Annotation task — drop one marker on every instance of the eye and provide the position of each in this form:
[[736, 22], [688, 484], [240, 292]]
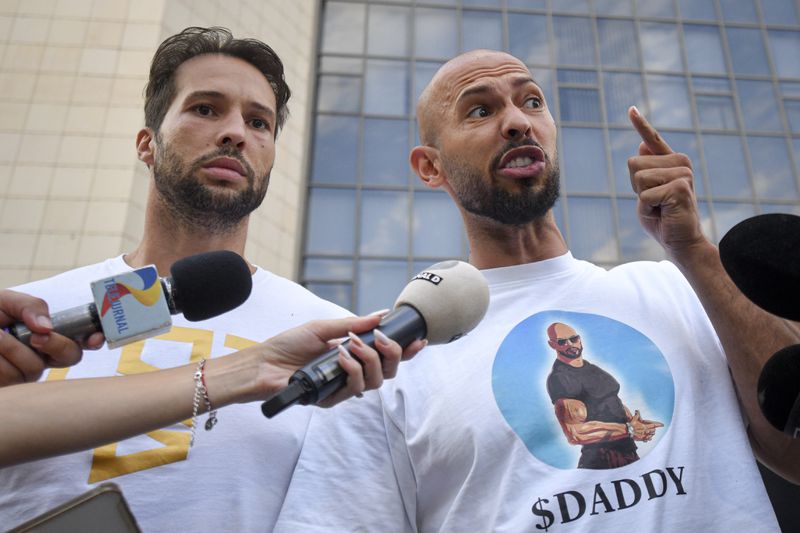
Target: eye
[[534, 102], [204, 110], [260, 124], [479, 112]]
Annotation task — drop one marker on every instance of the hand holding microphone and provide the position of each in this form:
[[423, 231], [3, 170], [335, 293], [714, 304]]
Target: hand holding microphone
[[440, 304]]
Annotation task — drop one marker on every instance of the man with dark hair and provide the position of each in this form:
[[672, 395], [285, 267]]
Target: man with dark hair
[[458, 443], [214, 105]]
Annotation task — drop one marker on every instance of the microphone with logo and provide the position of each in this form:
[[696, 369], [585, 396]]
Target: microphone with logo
[[136, 305], [761, 255], [440, 304]]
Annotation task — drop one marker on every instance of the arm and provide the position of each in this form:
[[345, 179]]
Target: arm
[[668, 211], [571, 415], [20, 363], [52, 418]]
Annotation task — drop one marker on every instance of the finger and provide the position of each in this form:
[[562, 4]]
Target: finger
[[391, 353], [674, 196], [654, 142], [413, 349], [59, 351], [643, 162], [19, 307], [335, 329], [370, 360], [9, 374], [27, 364], [653, 177], [355, 379], [95, 341]]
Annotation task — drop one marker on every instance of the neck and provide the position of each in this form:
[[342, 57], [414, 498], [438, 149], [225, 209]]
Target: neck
[[577, 362], [164, 240], [494, 245]]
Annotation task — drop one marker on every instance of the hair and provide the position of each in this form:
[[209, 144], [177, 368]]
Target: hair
[[194, 41]]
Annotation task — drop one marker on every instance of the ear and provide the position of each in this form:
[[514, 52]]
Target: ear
[[146, 146], [552, 344], [426, 163]]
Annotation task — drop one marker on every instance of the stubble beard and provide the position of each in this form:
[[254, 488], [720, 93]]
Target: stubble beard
[[485, 198], [193, 205]]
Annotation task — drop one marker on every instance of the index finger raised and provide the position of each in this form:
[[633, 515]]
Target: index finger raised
[[650, 136]]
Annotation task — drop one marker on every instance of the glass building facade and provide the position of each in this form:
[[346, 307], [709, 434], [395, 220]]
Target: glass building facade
[[720, 79]]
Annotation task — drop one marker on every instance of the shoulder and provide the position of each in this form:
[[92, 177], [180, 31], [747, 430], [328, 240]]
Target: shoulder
[[73, 286], [271, 289]]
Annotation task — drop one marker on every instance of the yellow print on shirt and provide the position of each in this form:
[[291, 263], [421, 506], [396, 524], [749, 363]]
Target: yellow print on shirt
[[106, 462]]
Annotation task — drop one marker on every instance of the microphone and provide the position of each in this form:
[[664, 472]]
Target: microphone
[[779, 390], [440, 304], [762, 256], [136, 305]]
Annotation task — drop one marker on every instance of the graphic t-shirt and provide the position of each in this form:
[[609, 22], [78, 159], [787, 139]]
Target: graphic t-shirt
[[467, 438]]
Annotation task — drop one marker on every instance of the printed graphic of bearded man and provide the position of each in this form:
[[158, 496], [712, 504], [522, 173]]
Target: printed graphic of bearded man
[[588, 407]]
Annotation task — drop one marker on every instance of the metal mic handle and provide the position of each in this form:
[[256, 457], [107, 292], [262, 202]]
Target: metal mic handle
[[76, 323]]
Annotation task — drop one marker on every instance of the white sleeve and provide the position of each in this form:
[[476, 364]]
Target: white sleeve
[[345, 478]]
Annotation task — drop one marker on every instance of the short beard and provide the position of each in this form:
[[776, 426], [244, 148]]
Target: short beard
[[196, 206], [479, 197]]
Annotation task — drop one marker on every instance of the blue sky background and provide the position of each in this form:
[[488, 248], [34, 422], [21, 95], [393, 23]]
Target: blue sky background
[[524, 361]]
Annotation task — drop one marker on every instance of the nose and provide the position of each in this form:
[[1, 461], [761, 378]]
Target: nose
[[232, 132], [515, 124]]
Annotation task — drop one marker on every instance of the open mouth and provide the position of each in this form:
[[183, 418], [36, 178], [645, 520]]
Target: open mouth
[[522, 162]]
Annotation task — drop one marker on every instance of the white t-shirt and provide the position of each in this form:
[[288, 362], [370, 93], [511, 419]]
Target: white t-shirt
[[235, 477], [466, 437]]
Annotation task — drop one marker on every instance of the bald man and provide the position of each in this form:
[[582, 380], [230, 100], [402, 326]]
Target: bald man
[[459, 442], [588, 407]]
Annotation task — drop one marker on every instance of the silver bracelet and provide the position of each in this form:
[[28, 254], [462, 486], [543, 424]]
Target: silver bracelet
[[200, 391]]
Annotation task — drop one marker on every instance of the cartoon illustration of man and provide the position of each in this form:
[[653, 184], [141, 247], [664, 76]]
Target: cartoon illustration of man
[[588, 407]]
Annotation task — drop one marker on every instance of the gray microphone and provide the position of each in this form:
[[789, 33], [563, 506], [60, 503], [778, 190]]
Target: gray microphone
[[441, 304]]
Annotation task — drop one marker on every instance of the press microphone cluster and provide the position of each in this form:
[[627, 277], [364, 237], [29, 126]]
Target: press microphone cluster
[[440, 304], [135, 305], [762, 256]]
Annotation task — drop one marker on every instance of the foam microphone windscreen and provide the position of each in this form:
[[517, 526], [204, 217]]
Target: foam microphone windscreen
[[779, 386], [209, 284], [762, 256], [451, 296]]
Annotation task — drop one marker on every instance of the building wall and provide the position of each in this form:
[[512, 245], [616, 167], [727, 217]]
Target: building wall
[[71, 78]]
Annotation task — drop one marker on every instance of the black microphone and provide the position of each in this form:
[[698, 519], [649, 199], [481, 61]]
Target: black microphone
[[441, 304], [779, 390], [762, 256], [138, 304]]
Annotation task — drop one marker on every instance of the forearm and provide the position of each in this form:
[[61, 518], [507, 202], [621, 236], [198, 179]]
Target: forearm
[[593, 432], [749, 336]]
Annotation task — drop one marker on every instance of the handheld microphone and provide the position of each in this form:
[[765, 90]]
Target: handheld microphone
[[779, 390], [762, 256], [136, 305], [440, 304]]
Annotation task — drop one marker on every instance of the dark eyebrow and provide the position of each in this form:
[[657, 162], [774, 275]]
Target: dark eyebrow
[[483, 89], [216, 95]]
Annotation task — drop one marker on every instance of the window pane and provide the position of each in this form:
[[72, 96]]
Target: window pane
[[388, 29], [716, 112], [706, 224], [727, 170], [660, 46], [669, 101], [772, 168], [655, 8], [384, 223], [481, 3], [711, 85], [338, 293], [686, 143], [343, 28], [583, 77], [328, 269], [728, 215], [738, 11], [436, 33], [385, 152], [704, 49], [527, 38], [796, 148], [613, 7], [572, 6], [335, 149], [341, 65], [527, 4], [579, 105], [331, 222], [386, 87], [780, 208], [617, 48], [622, 90], [779, 12], [584, 157], [793, 113], [635, 244], [379, 283], [423, 73], [574, 41], [785, 46], [339, 93], [698, 9], [624, 144], [789, 88], [481, 29], [747, 51], [591, 229], [437, 226], [758, 105]]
